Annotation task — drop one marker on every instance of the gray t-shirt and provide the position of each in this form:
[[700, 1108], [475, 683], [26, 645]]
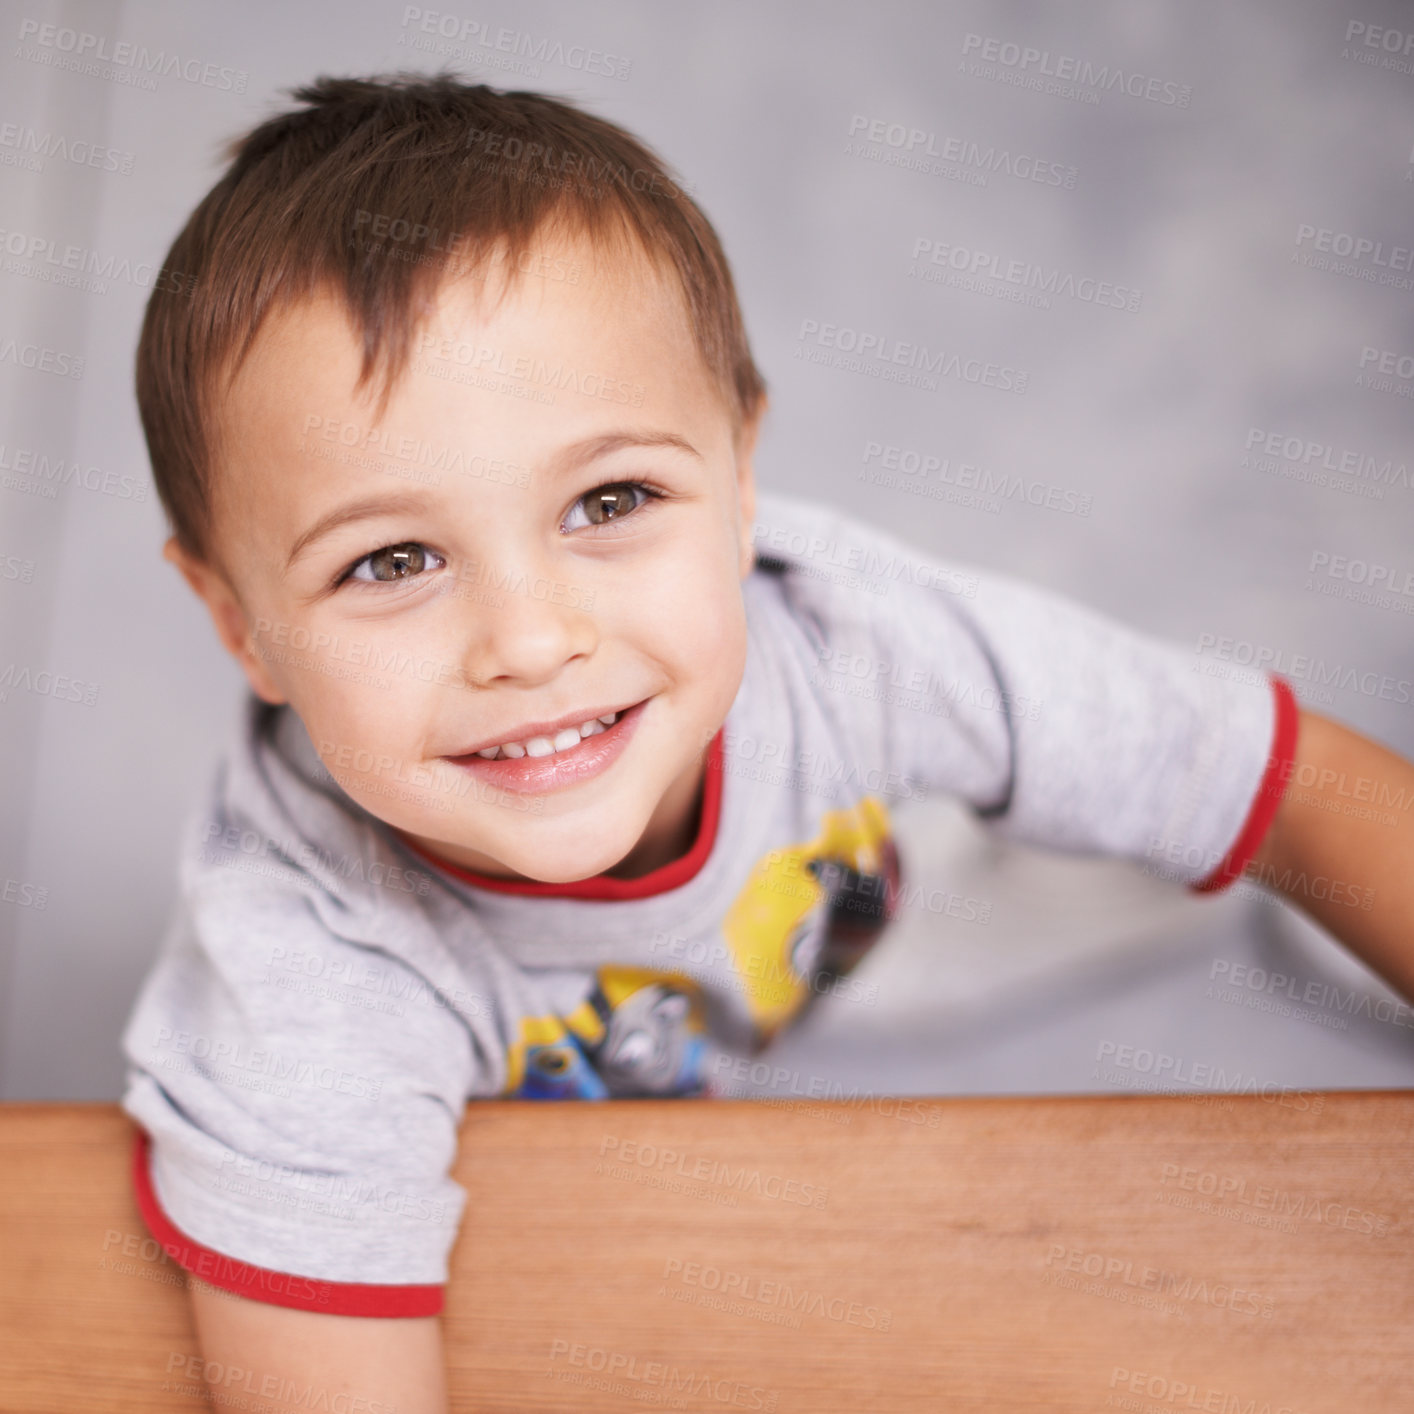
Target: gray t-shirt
[[327, 999]]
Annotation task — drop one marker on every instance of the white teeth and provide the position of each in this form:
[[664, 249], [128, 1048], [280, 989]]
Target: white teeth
[[547, 746]]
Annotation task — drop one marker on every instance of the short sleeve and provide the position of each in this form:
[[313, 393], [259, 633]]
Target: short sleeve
[[1059, 725], [298, 1097]]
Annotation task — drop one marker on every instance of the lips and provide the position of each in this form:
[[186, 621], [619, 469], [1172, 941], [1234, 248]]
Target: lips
[[539, 775], [545, 728]]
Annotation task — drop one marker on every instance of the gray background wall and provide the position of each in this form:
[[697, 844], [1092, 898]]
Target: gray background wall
[[1291, 120]]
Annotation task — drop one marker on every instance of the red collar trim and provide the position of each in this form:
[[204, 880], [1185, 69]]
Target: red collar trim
[[672, 875]]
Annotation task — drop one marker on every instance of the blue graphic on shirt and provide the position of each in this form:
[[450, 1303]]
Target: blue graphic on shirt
[[637, 1033]]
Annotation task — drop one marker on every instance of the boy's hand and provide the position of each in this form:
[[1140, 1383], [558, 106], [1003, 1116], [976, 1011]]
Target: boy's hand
[[1332, 849]]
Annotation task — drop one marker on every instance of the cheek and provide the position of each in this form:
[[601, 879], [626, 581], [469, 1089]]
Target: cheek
[[369, 737], [690, 607], [364, 705]]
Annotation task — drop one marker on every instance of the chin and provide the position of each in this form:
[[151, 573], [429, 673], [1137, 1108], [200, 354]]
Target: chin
[[565, 869]]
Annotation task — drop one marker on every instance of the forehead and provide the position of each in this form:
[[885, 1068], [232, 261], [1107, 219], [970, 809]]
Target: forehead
[[511, 360], [560, 291]]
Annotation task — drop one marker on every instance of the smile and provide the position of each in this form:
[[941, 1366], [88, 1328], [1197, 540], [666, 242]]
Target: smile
[[563, 740], [548, 762]]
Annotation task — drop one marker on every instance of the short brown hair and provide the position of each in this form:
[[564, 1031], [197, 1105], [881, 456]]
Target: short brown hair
[[482, 169]]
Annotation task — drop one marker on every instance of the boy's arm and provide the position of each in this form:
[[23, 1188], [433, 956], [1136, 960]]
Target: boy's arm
[[300, 1360], [1353, 875]]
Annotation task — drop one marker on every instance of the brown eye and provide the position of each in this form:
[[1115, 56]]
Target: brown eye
[[392, 563], [395, 561], [619, 500], [609, 503]]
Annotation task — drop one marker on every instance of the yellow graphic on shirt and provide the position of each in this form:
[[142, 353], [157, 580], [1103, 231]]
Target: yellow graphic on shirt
[[807, 911], [638, 1032], [772, 929]]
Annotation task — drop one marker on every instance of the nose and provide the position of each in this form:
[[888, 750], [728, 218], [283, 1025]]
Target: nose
[[521, 624]]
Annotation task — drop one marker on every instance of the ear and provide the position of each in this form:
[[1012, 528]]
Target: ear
[[746, 485], [232, 626]]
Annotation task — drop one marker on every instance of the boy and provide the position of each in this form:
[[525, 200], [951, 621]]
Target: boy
[[569, 761]]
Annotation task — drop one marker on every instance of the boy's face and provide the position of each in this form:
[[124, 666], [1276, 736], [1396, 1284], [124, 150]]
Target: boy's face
[[523, 576]]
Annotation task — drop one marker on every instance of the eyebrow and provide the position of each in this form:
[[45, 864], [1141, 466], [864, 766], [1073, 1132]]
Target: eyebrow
[[570, 458]]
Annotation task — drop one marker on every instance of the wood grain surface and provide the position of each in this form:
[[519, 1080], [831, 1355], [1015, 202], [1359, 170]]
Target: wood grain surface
[[1068, 1253]]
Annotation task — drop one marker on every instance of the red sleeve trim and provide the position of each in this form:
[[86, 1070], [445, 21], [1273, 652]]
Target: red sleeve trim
[[1269, 793], [333, 1298]]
